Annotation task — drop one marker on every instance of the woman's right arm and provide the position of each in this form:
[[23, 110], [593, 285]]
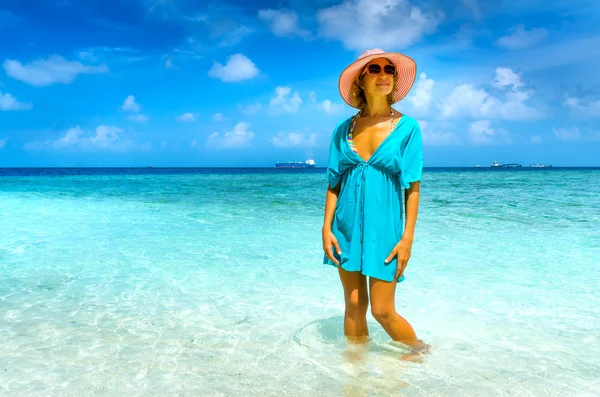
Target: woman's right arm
[[333, 177], [329, 239], [330, 203]]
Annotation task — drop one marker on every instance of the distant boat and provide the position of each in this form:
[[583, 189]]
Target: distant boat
[[310, 163], [510, 165], [540, 165]]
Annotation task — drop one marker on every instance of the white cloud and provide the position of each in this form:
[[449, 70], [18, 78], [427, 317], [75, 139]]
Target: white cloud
[[482, 133], [238, 68], [198, 18], [282, 23], [191, 48], [576, 135], [326, 105], [235, 35], [193, 143], [71, 138], [518, 37], [330, 107], [518, 96], [239, 137], [474, 7], [104, 137], [123, 54], [363, 24], [55, 69], [585, 106], [294, 139], [433, 137], [422, 94], [129, 104], [567, 135], [477, 102], [218, 117], [505, 77], [222, 26], [9, 102], [283, 100], [3, 142], [138, 118], [536, 139], [188, 117], [467, 98], [250, 109]]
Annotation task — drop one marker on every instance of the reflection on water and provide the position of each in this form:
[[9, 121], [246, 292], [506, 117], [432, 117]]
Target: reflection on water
[[373, 366]]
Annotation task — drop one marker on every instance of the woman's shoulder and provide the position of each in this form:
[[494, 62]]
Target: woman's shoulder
[[409, 122], [343, 122], [408, 127], [341, 126]]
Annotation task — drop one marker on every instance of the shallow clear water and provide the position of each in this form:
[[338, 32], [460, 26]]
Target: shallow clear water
[[211, 284]]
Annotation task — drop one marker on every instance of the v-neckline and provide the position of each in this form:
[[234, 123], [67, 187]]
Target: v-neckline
[[380, 144]]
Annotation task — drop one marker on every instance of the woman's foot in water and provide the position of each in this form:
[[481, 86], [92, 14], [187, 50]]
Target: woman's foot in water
[[418, 350]]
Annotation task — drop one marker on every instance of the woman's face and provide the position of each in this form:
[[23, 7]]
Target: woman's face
[[380, 84]]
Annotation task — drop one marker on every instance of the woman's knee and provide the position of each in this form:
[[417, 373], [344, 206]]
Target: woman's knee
[[357, 303], [382, 313]]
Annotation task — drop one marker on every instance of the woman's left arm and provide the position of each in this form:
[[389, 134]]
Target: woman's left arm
[[410, 177], [402, 250], [411, 199]]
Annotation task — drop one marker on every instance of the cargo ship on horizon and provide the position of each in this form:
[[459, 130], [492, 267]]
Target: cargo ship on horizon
[[310, 163], [540, 165], [511, 165]]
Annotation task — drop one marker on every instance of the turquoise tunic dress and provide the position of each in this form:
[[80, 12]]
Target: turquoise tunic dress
[[369, 216]]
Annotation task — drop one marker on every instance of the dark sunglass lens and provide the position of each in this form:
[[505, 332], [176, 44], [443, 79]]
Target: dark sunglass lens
[[389, 69], [374, 69]]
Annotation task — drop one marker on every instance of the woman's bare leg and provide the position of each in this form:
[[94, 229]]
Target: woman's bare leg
[[384, 311], [356, 297]]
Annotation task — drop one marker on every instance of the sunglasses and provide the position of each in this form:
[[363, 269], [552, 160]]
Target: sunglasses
[[375, 69]]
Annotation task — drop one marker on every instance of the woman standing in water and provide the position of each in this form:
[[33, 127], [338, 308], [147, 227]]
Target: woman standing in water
[[372, 156]]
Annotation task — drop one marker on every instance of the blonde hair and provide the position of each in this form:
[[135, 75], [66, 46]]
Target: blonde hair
[[358, 94]]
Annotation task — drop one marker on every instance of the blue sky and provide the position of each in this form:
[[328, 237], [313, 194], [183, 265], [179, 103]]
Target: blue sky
[[190, 83]]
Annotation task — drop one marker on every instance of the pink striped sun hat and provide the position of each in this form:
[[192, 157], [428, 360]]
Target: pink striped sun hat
[[405, 65]]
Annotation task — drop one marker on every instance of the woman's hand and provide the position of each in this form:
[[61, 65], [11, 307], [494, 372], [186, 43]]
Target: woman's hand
[[329, 242], [402, 253]]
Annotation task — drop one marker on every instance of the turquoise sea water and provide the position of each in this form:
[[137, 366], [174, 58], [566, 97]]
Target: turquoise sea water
[[210, 283]]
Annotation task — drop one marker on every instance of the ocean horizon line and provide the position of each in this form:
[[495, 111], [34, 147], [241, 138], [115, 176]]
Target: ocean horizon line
[[272, 167]]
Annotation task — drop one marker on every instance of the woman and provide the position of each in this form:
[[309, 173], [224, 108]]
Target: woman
[[372, 156]]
